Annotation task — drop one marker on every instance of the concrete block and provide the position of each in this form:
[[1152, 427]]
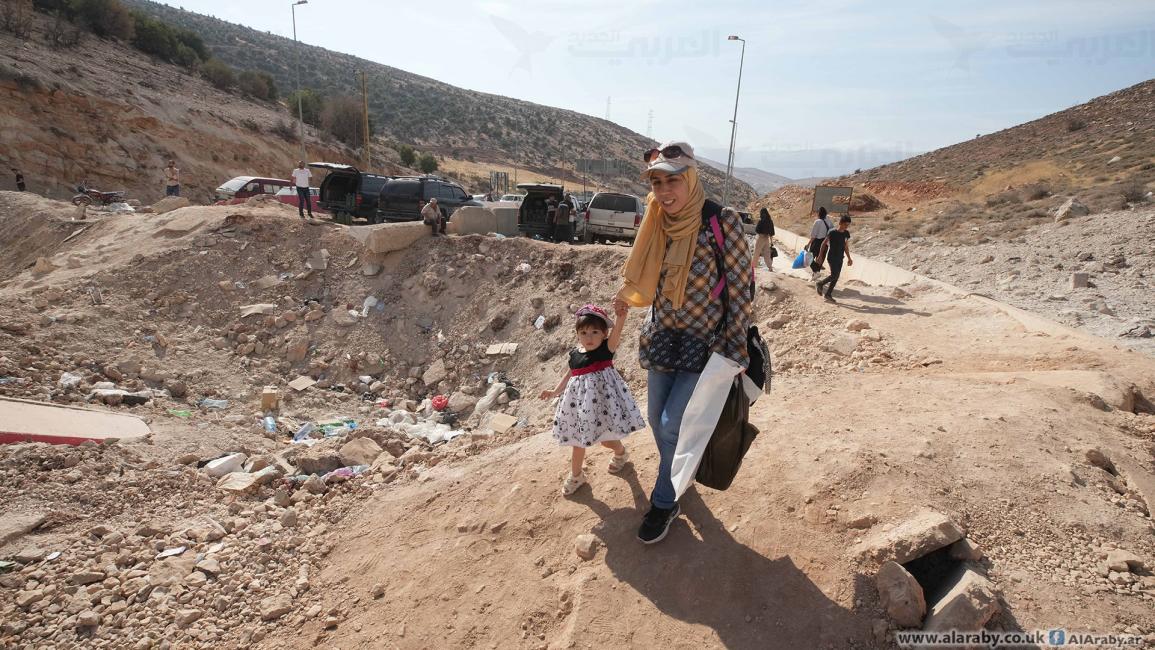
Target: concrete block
[[389, 237]]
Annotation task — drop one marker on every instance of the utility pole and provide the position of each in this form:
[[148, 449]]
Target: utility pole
[[366, 156], [734, 122], [300, 110]]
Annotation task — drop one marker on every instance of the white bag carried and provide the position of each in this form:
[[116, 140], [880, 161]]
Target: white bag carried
[[701, 418]]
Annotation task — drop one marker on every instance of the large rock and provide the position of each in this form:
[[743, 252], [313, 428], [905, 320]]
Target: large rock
[[1124, 562], [901, 595], [362, 451], [275, 607], [966, 607], [435, 373], [923, 533], [321, 458], [225, 465], [471, 220], [13, 526], [841, 344], [461, 403], [1071, 208], [170, 203], [389, 237]]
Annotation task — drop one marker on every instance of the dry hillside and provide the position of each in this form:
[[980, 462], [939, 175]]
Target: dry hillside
[[452, 122]]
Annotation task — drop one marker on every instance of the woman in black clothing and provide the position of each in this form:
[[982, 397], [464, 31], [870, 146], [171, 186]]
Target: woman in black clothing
[[764, 245]]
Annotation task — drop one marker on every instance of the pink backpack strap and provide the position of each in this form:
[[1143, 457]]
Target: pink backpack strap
[[717, 228]]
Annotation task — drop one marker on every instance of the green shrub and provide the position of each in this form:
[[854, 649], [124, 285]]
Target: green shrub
[[218, 74], [256, 85], [408, 156], [427, 163], [106, 18], [311, 105], [343, 119]]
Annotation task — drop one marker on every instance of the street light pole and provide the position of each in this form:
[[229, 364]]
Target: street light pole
[[733, 122], [300, 110]]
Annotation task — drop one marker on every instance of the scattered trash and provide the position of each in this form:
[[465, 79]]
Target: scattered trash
[[9, 380], [337, 427], [439, 402], [119, 208], [258, 309], [69, 380], [225, 465], [501, 349], [270, 398], [302, 382], [216, 404], [539, 323], [170, 552], [6, 566], [303, 432], [498, 235], [270, 424], [52, 556], [344, 473], [524, 267], [370, 303], [180, 413]]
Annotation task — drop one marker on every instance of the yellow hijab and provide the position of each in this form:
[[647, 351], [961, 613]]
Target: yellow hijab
[[650, 255]]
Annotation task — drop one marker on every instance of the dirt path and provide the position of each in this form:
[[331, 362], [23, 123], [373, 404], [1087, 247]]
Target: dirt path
[[482, 554]]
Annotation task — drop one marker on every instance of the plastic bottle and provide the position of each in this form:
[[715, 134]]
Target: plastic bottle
[[303, 432], [270, 424]]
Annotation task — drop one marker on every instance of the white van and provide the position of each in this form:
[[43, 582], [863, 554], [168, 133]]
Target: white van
[[611, 216]]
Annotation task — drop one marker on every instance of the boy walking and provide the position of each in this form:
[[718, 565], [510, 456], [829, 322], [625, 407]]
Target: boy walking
[[837, 243]]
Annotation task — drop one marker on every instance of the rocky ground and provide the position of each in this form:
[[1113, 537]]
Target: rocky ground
[[1029, 438], [1034, 271]]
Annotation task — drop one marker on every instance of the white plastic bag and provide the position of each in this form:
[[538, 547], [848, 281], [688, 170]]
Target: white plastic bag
[[700, 418]]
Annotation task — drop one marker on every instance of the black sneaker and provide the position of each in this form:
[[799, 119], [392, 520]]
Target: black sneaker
[[657, 523], [818, 287], [829, 299]]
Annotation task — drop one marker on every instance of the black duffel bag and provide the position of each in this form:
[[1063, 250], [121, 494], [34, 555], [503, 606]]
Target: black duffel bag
[[729, 443]]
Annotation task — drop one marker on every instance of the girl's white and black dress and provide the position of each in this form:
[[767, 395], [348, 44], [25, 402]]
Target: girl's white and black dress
[[597, 405]]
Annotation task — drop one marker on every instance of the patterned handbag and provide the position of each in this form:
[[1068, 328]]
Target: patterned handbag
[[678, 350]]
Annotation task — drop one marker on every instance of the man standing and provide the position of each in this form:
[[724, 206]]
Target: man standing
[[19, 180], [836, 244], [563, 231], [551, 218], [818, 232], [171, 179], [301, 178]]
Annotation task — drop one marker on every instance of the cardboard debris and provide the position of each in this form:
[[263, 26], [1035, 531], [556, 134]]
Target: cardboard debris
[[269, 398], [302, 382], [262, 308], [500, 349], [501, 422], [267, 282]]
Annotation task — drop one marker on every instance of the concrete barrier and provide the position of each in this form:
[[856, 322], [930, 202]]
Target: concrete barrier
[[389, 237]]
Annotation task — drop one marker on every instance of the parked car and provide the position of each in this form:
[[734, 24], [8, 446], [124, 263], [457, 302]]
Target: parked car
[[402, 197], [531, 214], [349, 193], [515, 198], [611, 216], [243, 187], [289, 195], [748, 224]]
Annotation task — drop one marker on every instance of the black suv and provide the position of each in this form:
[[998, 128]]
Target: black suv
[[348, 192], [401, 197]]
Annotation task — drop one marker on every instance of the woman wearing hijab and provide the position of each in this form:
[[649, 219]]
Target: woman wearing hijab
[[764, 245], [674, 269]]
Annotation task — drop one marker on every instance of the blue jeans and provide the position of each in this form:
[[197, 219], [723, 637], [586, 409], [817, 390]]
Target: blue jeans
[[668, 394], [172, 190], [304, 201]]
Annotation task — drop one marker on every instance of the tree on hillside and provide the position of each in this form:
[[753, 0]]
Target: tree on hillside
[[427, 163], [16, 18], [311, 105], [258, 85], [106, 18], [218, 74], [343, 119], [168, 43], [408, 156]]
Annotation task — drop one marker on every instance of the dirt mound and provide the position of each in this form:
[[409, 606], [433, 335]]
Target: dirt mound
[[32, 227]]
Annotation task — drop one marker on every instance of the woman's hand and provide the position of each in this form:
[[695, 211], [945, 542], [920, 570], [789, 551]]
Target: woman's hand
[[547, 394], [620, 306]]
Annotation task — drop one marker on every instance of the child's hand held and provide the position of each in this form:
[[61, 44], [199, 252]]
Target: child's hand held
[[546, 394]]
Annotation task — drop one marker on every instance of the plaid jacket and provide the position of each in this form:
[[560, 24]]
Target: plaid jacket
[[700, 313]]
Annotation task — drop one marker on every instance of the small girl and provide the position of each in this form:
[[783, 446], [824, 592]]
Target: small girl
[[595, 405]]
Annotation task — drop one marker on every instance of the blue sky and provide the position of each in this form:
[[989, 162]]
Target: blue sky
[[827, 86]]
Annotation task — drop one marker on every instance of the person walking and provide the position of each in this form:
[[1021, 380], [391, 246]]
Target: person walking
[[837, 243], [432, 216], [764, 244], [551, 218], [562, 230], [679, 269], [171, 179], [20, 187], [818, 232], [302, 177]]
